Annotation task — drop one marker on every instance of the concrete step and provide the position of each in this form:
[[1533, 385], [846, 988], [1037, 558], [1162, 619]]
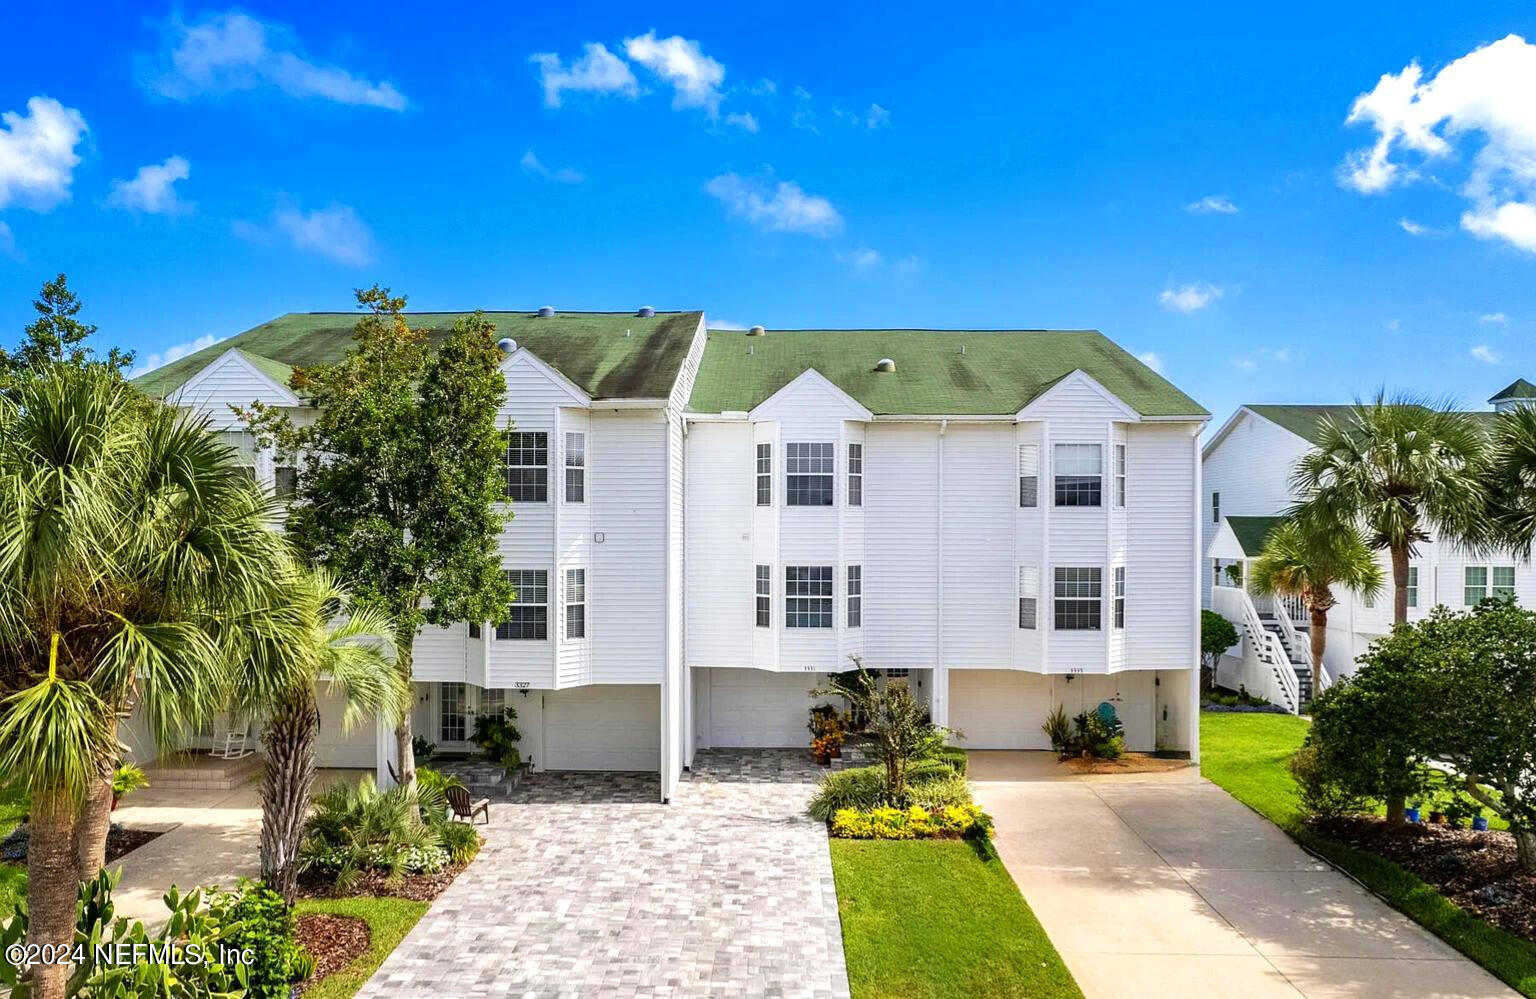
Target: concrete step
[[201, 772]]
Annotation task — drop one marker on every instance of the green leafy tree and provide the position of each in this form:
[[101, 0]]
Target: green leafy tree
[[1512, 492], [130, 537], [895, 720], [1217, 635], [56, 336], [401, 482], [1307, 557], [310, 636]]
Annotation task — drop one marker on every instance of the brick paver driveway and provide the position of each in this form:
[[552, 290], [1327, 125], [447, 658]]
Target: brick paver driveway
[[589, 887]]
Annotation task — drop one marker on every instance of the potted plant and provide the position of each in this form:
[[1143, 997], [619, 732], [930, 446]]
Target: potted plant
[[1479, 823], [126, 779], [1411, 813], [821, 748]]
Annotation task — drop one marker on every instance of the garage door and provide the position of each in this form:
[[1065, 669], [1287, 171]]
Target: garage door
[[335, 747], [606, 727], [999, 708], [756, 709]]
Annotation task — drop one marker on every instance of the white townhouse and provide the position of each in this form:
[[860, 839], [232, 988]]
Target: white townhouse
[[1247, 471], [709, 523]]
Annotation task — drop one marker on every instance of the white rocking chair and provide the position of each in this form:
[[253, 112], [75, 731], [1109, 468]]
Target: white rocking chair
[[233, 744]]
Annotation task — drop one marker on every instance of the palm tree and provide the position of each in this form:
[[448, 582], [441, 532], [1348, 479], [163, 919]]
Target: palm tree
[[313, 635], [1399, 467], [1512, 499], [1302, 558], [128, 533]]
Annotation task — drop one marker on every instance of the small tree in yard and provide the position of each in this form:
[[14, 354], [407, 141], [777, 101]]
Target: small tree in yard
[[1307, 557], [402, 474], [1217, 635], [897, 722]]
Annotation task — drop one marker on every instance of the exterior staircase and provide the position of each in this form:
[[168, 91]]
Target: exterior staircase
[[1299, 659]]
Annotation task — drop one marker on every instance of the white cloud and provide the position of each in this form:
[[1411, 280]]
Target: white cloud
[[1151, 359], [1497, 318], [872, 117], [563, 175], [37, 153], [335, 231], [804, 113], [727, 324], [1487, 92], [780, 207], [1393, 325], [694, 76], [176, 352], [876, 117], [598, 71], [1272, 355], [1412, 228], [8, 242], [862, 259], [1190, 297], [153, 189], [232, 51], [1212, 204], [1486, 354], [744, 120], [1245, 363]]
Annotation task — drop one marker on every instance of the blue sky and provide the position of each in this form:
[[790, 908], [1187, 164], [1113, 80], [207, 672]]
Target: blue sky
[[1191, 181]]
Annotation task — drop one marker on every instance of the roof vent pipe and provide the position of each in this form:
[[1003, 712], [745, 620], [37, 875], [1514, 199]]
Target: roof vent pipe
[[646, 312], [506, 345], [757, 331], [546, 312], [885, 364]]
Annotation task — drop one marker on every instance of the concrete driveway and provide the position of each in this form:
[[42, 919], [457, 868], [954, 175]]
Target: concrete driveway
[[588, 887], [1165, 885]]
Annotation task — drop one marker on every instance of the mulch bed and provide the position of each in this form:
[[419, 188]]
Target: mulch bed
[[1476, 870], [333, 941], [120, 840], [416, 887], [1130, 763]]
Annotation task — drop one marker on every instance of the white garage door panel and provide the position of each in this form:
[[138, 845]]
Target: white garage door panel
[[756, 709], [603, 727], [335, 748], [999, 709]]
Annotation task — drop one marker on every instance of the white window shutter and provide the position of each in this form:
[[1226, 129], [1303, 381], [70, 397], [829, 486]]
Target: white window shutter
[[1029, 459], [1029, 581]]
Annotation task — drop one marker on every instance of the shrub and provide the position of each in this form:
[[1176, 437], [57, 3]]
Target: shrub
[[1058, 729], [1321, 790], [954, 757], [126, 779], [864, 787], [945, 790], [495, 734], [422, 748], [261, 922], [461, 841], [913, 822], [358, 827]]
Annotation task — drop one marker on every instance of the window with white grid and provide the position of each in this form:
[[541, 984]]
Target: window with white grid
[[1029, 475], [1029, 597], [855, 474], [1119, 596], [1079, 474], [1413, 586], [450, 712], [808, 470], [764, 584], [527, 466], [765, 475], [493, 702], [808, 596], [575, 468], [575, 603], [1503, 579], [1079, 594], [855, 596], [528, 616], [1119, 475], [1475, 585]]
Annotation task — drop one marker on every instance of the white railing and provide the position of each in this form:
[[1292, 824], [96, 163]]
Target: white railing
[[1286, 615], [1263, 655]]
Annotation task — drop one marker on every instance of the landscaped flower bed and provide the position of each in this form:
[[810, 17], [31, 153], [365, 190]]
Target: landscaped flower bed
[[1476, 870], [915, 822]]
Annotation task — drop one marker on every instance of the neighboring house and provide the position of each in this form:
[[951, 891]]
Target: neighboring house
[[709, 523], [1247, 487]]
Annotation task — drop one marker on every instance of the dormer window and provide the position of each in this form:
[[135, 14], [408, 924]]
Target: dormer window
[[808, 474]]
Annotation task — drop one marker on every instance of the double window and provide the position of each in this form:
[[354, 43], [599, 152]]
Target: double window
[[1477, 581], [765, 475], [527, 465], [808, 474], [1029, 475], [764, 591], [1029, 597], [575, 468], [855, 474], [575, 603], [1079, 472], [1079, 594], [528, 616], [808, 596], [855, 596]]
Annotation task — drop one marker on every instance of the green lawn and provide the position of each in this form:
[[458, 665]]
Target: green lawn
[[13, 879], [388, 919], [1246, 755], [930, 918]]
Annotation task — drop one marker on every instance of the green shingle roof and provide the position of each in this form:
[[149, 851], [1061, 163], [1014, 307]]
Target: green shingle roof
[[1251, 532], [999, 372], [1517, 389], [609, 355], [1302, 420]]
